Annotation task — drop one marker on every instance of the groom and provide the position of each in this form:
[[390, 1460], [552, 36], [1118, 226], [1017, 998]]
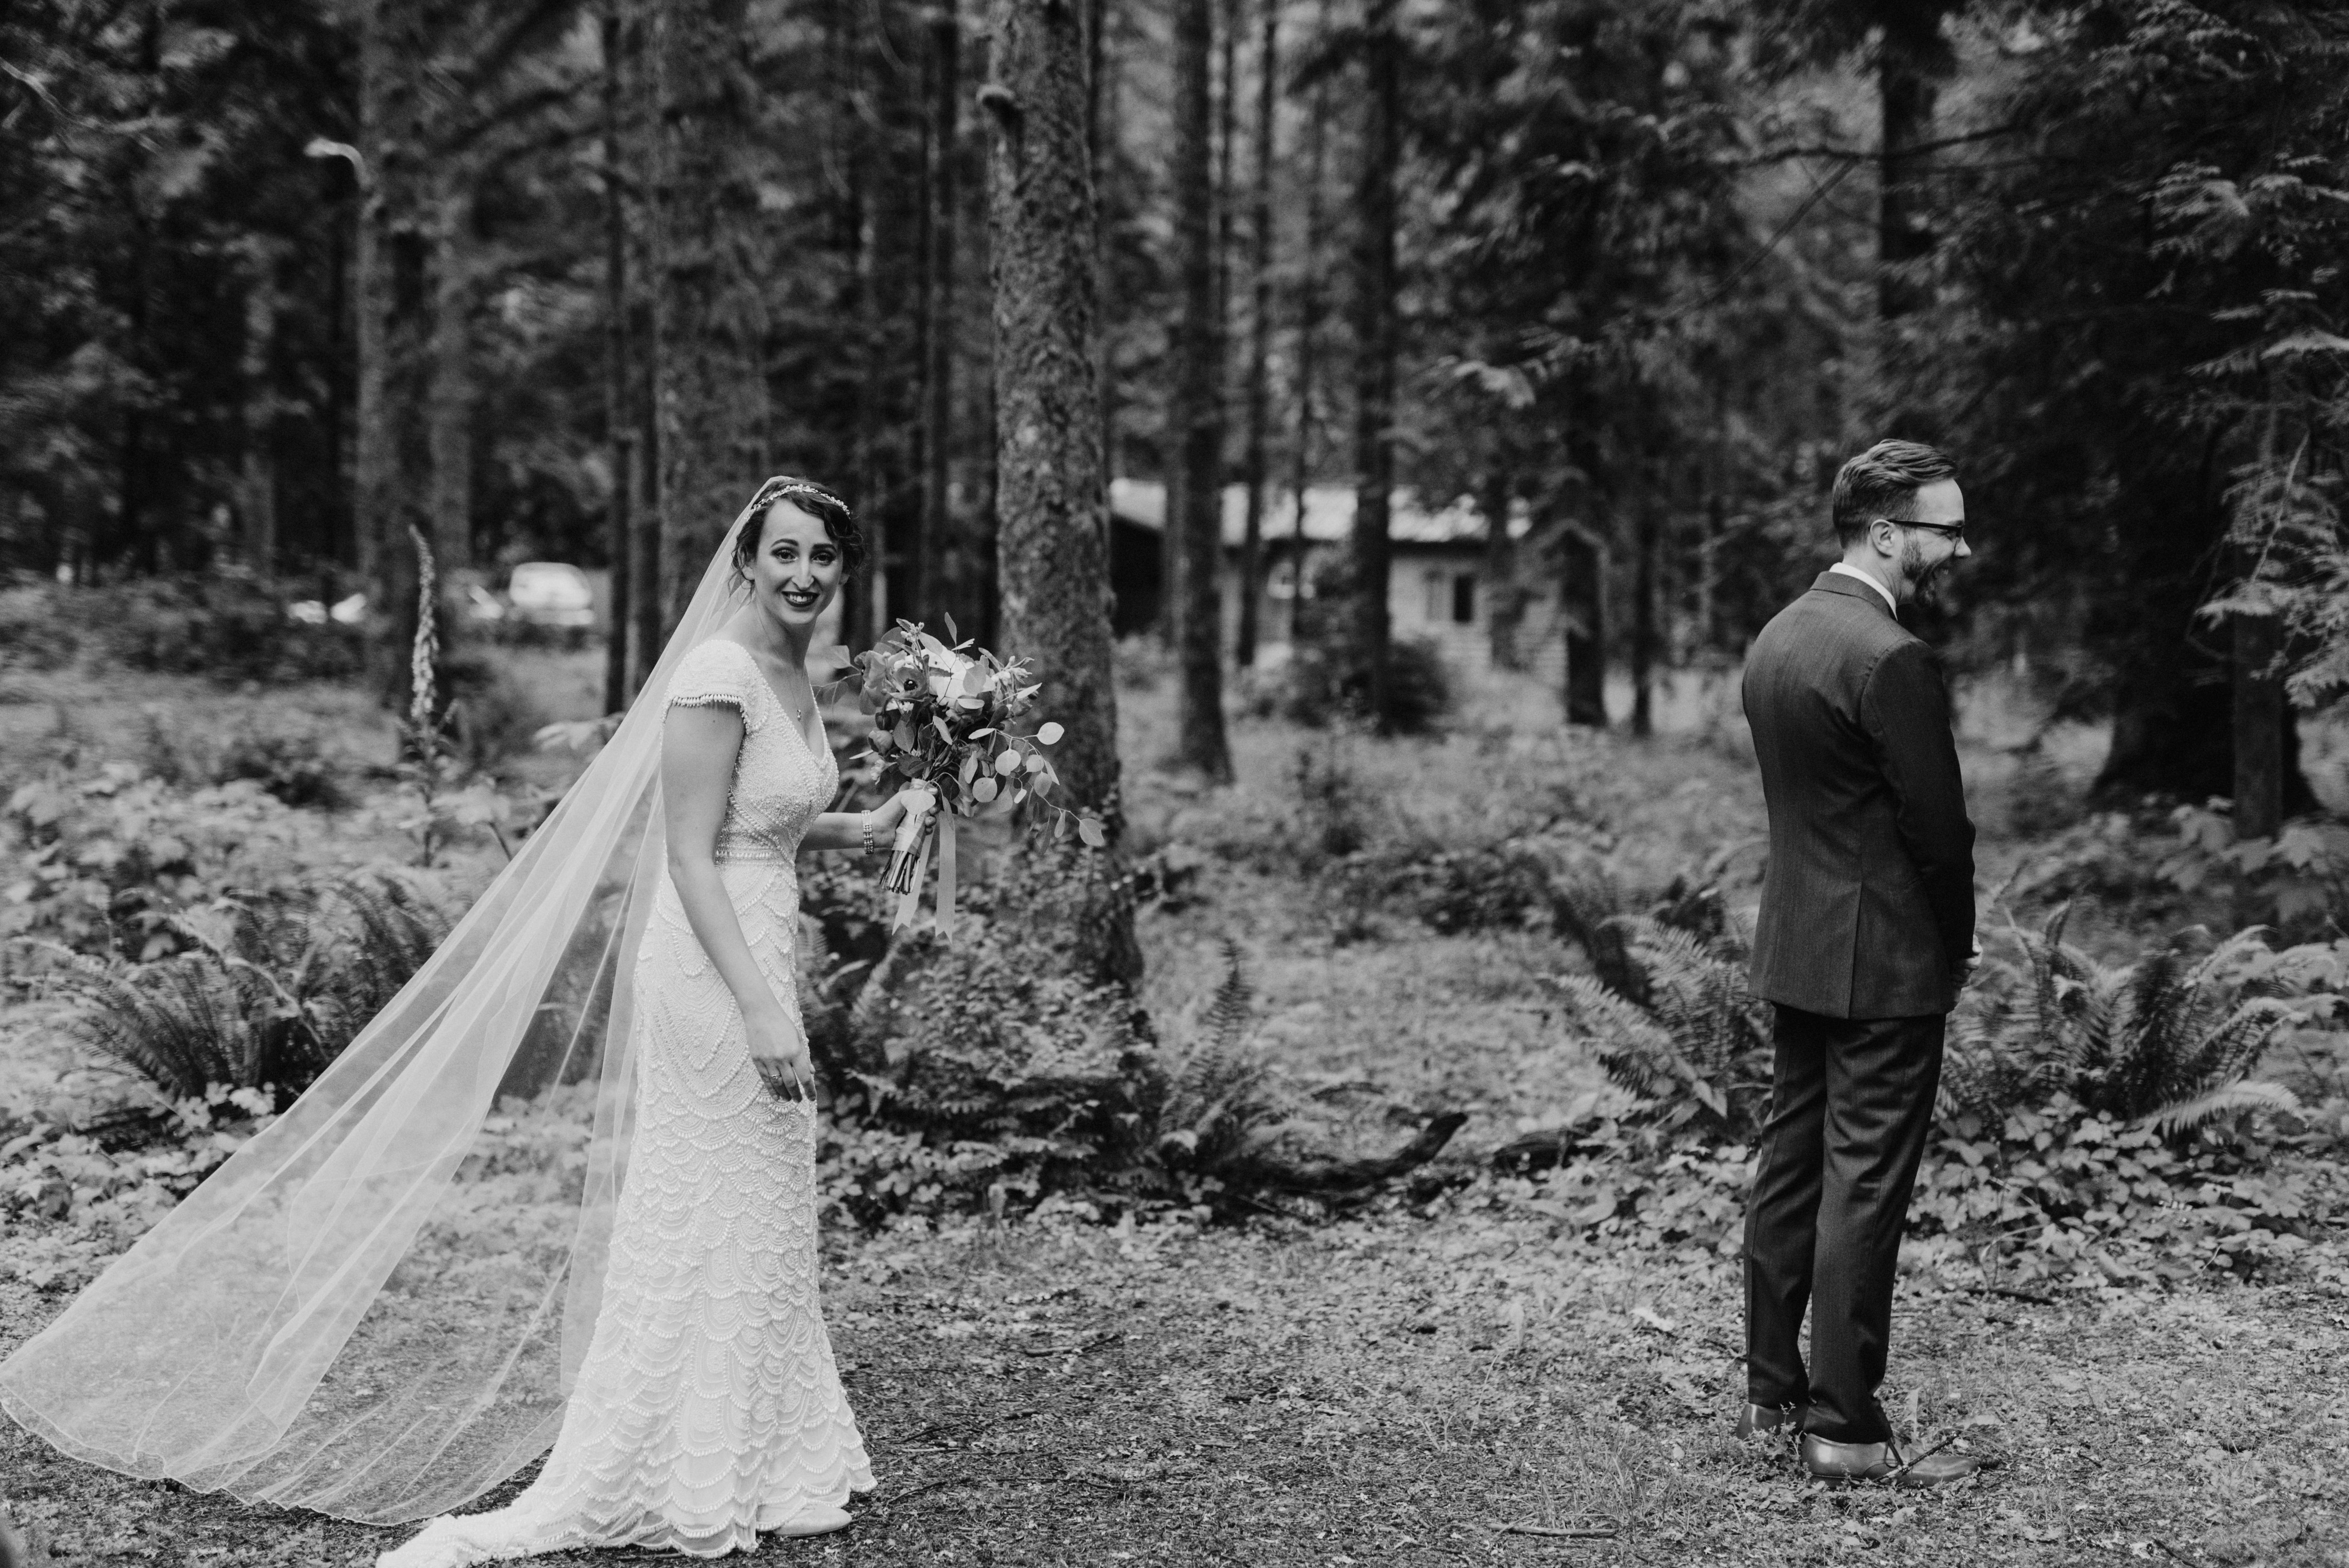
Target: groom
[[1865, 937]]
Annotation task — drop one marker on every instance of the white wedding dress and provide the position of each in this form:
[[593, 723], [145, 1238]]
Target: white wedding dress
[[709, 1408]]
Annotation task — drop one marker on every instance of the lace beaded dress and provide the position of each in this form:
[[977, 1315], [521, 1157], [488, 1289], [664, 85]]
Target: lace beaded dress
[[709, 1408]]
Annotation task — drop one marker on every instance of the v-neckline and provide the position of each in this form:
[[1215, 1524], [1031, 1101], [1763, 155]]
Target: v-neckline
[[799, 727]]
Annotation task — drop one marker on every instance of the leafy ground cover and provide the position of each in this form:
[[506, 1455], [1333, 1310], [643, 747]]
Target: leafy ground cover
[[1475, 1365]]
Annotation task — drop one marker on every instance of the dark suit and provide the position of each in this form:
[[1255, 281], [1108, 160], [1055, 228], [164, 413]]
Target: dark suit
[[1867, 917]]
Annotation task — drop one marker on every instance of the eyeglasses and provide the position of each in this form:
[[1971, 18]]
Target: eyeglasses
[[1955, 531]]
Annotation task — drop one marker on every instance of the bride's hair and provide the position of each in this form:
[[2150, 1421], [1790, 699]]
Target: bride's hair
[[839, 523]]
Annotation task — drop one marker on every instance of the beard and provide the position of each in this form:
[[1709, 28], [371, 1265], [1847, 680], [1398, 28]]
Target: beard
[[1923, 580]]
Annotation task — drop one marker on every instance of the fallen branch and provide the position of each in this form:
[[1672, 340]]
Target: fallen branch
[[1345, 1175], [1543, 1530]]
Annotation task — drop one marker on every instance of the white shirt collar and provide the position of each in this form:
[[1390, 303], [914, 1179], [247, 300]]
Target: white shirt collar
[[1890, 602]]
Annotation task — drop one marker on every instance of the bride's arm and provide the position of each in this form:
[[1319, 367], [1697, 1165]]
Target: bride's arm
[[847, 829], [698, 746]]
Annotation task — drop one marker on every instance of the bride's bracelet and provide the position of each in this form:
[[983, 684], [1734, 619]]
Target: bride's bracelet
[[864, 832]]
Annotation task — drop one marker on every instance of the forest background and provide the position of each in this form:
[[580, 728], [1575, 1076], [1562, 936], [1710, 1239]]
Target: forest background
[[298, 296], [556, 282]]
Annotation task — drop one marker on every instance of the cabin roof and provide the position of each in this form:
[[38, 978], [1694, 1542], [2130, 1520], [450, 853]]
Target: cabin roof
[[1329, 514]]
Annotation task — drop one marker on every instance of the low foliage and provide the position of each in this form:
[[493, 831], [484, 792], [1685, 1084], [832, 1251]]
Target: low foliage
[[1668, 1012], [266, 996], [974, 1066], [231, 628], [111, 861], [2166, 1041]]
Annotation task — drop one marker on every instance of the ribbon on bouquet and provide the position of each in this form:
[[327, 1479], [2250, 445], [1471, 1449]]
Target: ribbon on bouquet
[[938, 823]]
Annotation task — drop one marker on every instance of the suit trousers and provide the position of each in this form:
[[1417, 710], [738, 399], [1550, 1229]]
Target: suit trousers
[[1851, 1103]]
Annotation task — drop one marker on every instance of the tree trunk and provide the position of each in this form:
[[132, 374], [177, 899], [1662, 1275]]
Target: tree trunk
[[1101, 132], [257, 488], [1504, 600], [1308, 332], [1051, 493], [1582, 606], [1195, 520], [451, 399], [1375, 351], [619, 423], [2174, 725], [1228, 122], [2261, 719], [710, 388], [932, 546], [1906, 94], [890, 252], [1647, 563], [390, 479], [1259, 399]]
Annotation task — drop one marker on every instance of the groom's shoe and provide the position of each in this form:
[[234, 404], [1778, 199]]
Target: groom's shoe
[[1768, 1418], [1831, 1460]]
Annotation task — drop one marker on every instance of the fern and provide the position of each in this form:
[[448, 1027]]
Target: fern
[[1674, 1021], [270, 999], [2165, 1040], [1221, 1100]]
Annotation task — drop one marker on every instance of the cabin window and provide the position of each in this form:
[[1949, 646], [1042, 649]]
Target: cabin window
[[1463, 599]]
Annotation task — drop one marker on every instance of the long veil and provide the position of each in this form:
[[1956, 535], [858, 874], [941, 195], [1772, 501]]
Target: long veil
[[375, 1309]]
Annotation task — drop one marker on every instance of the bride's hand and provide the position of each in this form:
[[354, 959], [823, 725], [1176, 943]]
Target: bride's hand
[[779, 1052], [913, 803]]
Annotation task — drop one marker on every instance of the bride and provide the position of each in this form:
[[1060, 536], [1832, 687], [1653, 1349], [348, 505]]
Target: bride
[[332, 1321]]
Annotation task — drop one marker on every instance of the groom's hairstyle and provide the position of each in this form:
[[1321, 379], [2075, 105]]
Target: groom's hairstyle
[[1881, 482]]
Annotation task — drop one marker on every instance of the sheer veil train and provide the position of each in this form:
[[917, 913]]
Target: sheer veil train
[[364, 1312]]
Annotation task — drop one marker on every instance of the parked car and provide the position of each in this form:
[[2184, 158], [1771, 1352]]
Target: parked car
[[551, 593]]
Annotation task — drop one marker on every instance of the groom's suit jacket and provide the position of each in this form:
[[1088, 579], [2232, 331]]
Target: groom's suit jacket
[[1867, 903]]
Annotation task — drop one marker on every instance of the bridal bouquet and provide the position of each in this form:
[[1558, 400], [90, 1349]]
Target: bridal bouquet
[[943, 727]]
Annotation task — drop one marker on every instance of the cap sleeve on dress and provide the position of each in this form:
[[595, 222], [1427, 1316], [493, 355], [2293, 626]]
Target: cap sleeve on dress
[[719, 672]]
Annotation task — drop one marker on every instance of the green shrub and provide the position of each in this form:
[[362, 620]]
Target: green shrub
[[1672, 1020], [231, 628], [1327, 676], [264, 997], [109, 861], [1223, 1107], [987, 1064], [35, 633], [2166, 1041]]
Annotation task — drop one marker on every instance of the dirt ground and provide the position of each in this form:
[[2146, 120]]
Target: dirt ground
[[1463, 1380]]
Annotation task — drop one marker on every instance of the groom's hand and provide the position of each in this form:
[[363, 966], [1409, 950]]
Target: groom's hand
[[1972, 962]]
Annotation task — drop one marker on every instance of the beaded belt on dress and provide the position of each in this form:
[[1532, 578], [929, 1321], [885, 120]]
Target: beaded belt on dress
[[752, 848]]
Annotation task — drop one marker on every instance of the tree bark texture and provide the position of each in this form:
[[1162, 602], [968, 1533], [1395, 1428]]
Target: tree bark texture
[[2173, 698], [1195, 518], [1907, 59], [1301, 452], [933, 547], [1647, 563], [391, 467], [710, 388], [2261, 719], [257, 490], [889, 205], [450, 400], [1582, 602], [1504, 601], [619, 420], [1258, 383], [1051, 493], [1375, 350]]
